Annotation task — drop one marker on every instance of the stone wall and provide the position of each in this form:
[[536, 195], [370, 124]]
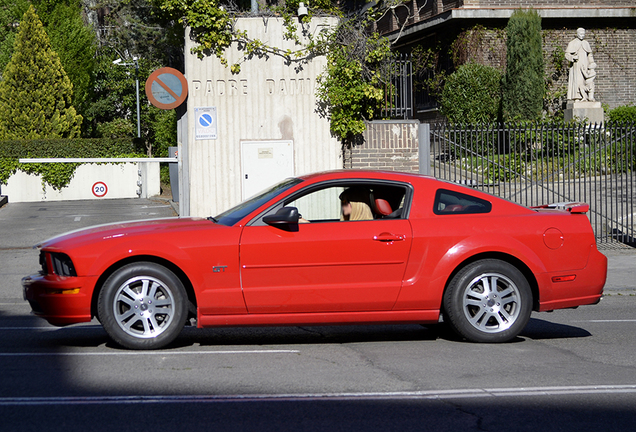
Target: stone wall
[[390, 145]]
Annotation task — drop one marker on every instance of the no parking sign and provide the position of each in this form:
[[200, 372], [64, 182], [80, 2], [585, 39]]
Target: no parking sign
[[166, 88], [100, 189]]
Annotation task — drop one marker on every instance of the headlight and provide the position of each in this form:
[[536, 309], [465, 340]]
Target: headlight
[[61, 264]]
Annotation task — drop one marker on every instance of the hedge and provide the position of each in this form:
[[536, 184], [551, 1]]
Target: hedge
[[64, 148], [58, 175]]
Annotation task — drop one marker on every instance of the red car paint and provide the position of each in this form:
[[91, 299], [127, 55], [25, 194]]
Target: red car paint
[[383, 270]]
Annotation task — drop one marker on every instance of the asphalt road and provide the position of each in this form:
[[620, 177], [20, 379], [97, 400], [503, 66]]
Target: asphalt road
[[571, 370]]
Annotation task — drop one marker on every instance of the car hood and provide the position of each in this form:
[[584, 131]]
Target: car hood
[[124, 229]]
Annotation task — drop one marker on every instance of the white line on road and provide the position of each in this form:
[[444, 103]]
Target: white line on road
[[607, 321], [429, 394], [143, 353], [93, 327]]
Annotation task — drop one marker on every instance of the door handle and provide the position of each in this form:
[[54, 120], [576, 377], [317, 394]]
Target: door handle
[[388, 237]]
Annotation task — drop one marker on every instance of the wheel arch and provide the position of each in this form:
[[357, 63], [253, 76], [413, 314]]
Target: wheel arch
[[185, 280], [510, 259]]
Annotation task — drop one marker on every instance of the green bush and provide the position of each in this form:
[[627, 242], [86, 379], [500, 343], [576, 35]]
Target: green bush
[[57, 175], [471, 94], [623, 114]]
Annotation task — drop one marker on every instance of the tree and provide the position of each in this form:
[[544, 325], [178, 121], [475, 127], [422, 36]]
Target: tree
[[523, 85], [74, 42], [113, 112], [35, 92], [71, 38], [10, 13], [352, 88], [140, 28]]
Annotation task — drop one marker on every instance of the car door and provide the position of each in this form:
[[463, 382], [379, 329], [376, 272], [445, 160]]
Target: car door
[[324, 266]]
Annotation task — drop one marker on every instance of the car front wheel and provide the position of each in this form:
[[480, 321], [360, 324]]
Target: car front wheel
[[488, 301], [143, 306]]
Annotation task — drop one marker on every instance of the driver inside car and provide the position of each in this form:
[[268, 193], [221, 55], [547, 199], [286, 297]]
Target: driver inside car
[[353, 204]]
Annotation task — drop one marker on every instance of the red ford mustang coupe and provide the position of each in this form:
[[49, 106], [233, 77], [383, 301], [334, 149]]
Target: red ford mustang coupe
[[344, 247]]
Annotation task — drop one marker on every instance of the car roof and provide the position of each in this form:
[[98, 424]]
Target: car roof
[[357, 173]]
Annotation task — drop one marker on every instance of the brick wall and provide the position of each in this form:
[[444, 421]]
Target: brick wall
[[614, 51], [388, 145]]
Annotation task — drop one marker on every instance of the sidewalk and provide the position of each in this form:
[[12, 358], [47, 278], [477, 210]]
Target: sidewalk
[[621, 271]]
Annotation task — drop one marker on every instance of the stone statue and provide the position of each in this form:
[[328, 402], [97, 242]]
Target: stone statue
[[582, 68]]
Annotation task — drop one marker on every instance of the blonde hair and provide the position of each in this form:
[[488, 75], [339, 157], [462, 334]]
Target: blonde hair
[[359, 211]]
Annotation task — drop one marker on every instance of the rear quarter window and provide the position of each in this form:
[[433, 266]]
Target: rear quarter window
[[450, 202]]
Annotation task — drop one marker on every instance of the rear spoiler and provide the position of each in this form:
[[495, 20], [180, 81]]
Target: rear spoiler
[[572, 207]]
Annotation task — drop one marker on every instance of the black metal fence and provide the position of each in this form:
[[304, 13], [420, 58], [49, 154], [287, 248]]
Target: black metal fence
[[534, 164]]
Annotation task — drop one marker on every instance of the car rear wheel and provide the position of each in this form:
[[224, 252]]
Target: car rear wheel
[[488, 301], [143, 306]]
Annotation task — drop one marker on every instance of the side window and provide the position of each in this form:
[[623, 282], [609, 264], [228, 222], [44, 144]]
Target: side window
[[369, 201], [450, 202], [320, 206]]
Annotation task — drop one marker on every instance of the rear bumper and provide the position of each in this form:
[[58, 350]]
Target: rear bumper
[[585, 289], [59, 300]]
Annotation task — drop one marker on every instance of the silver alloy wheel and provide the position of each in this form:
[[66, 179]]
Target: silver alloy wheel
[[491, 302], [143, 307]]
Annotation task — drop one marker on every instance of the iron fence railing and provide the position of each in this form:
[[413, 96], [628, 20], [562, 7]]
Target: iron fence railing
[[534, 164], [398, 95]]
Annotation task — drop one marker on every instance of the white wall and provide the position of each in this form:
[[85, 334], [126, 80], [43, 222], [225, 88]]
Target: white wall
[[267, 100], [122, 181]]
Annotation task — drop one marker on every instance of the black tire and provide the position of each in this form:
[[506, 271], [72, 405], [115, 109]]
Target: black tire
[[479, 313], [143, 306]]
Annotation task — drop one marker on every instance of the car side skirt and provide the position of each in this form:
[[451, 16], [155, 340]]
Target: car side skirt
[[333, 318]]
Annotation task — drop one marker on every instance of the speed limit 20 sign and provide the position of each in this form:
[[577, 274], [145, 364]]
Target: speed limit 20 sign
[[100, 189]]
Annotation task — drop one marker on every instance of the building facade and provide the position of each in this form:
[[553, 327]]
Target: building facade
[[473, 30], [246, 131]]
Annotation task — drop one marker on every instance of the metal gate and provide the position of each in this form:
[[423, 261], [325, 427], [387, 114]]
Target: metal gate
[[534, 164], [398, 95]]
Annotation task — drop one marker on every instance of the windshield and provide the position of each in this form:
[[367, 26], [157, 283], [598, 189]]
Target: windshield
[[235, 214]]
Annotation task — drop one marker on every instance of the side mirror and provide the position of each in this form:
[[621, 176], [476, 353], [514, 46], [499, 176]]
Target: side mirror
[[286, 215]]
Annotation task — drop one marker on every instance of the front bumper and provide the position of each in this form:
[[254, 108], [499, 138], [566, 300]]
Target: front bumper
[[58, 299]]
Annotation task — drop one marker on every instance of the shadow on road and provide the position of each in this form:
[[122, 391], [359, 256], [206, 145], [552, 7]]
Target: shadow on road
[[93, 335], [543, 414], [538, 329]]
